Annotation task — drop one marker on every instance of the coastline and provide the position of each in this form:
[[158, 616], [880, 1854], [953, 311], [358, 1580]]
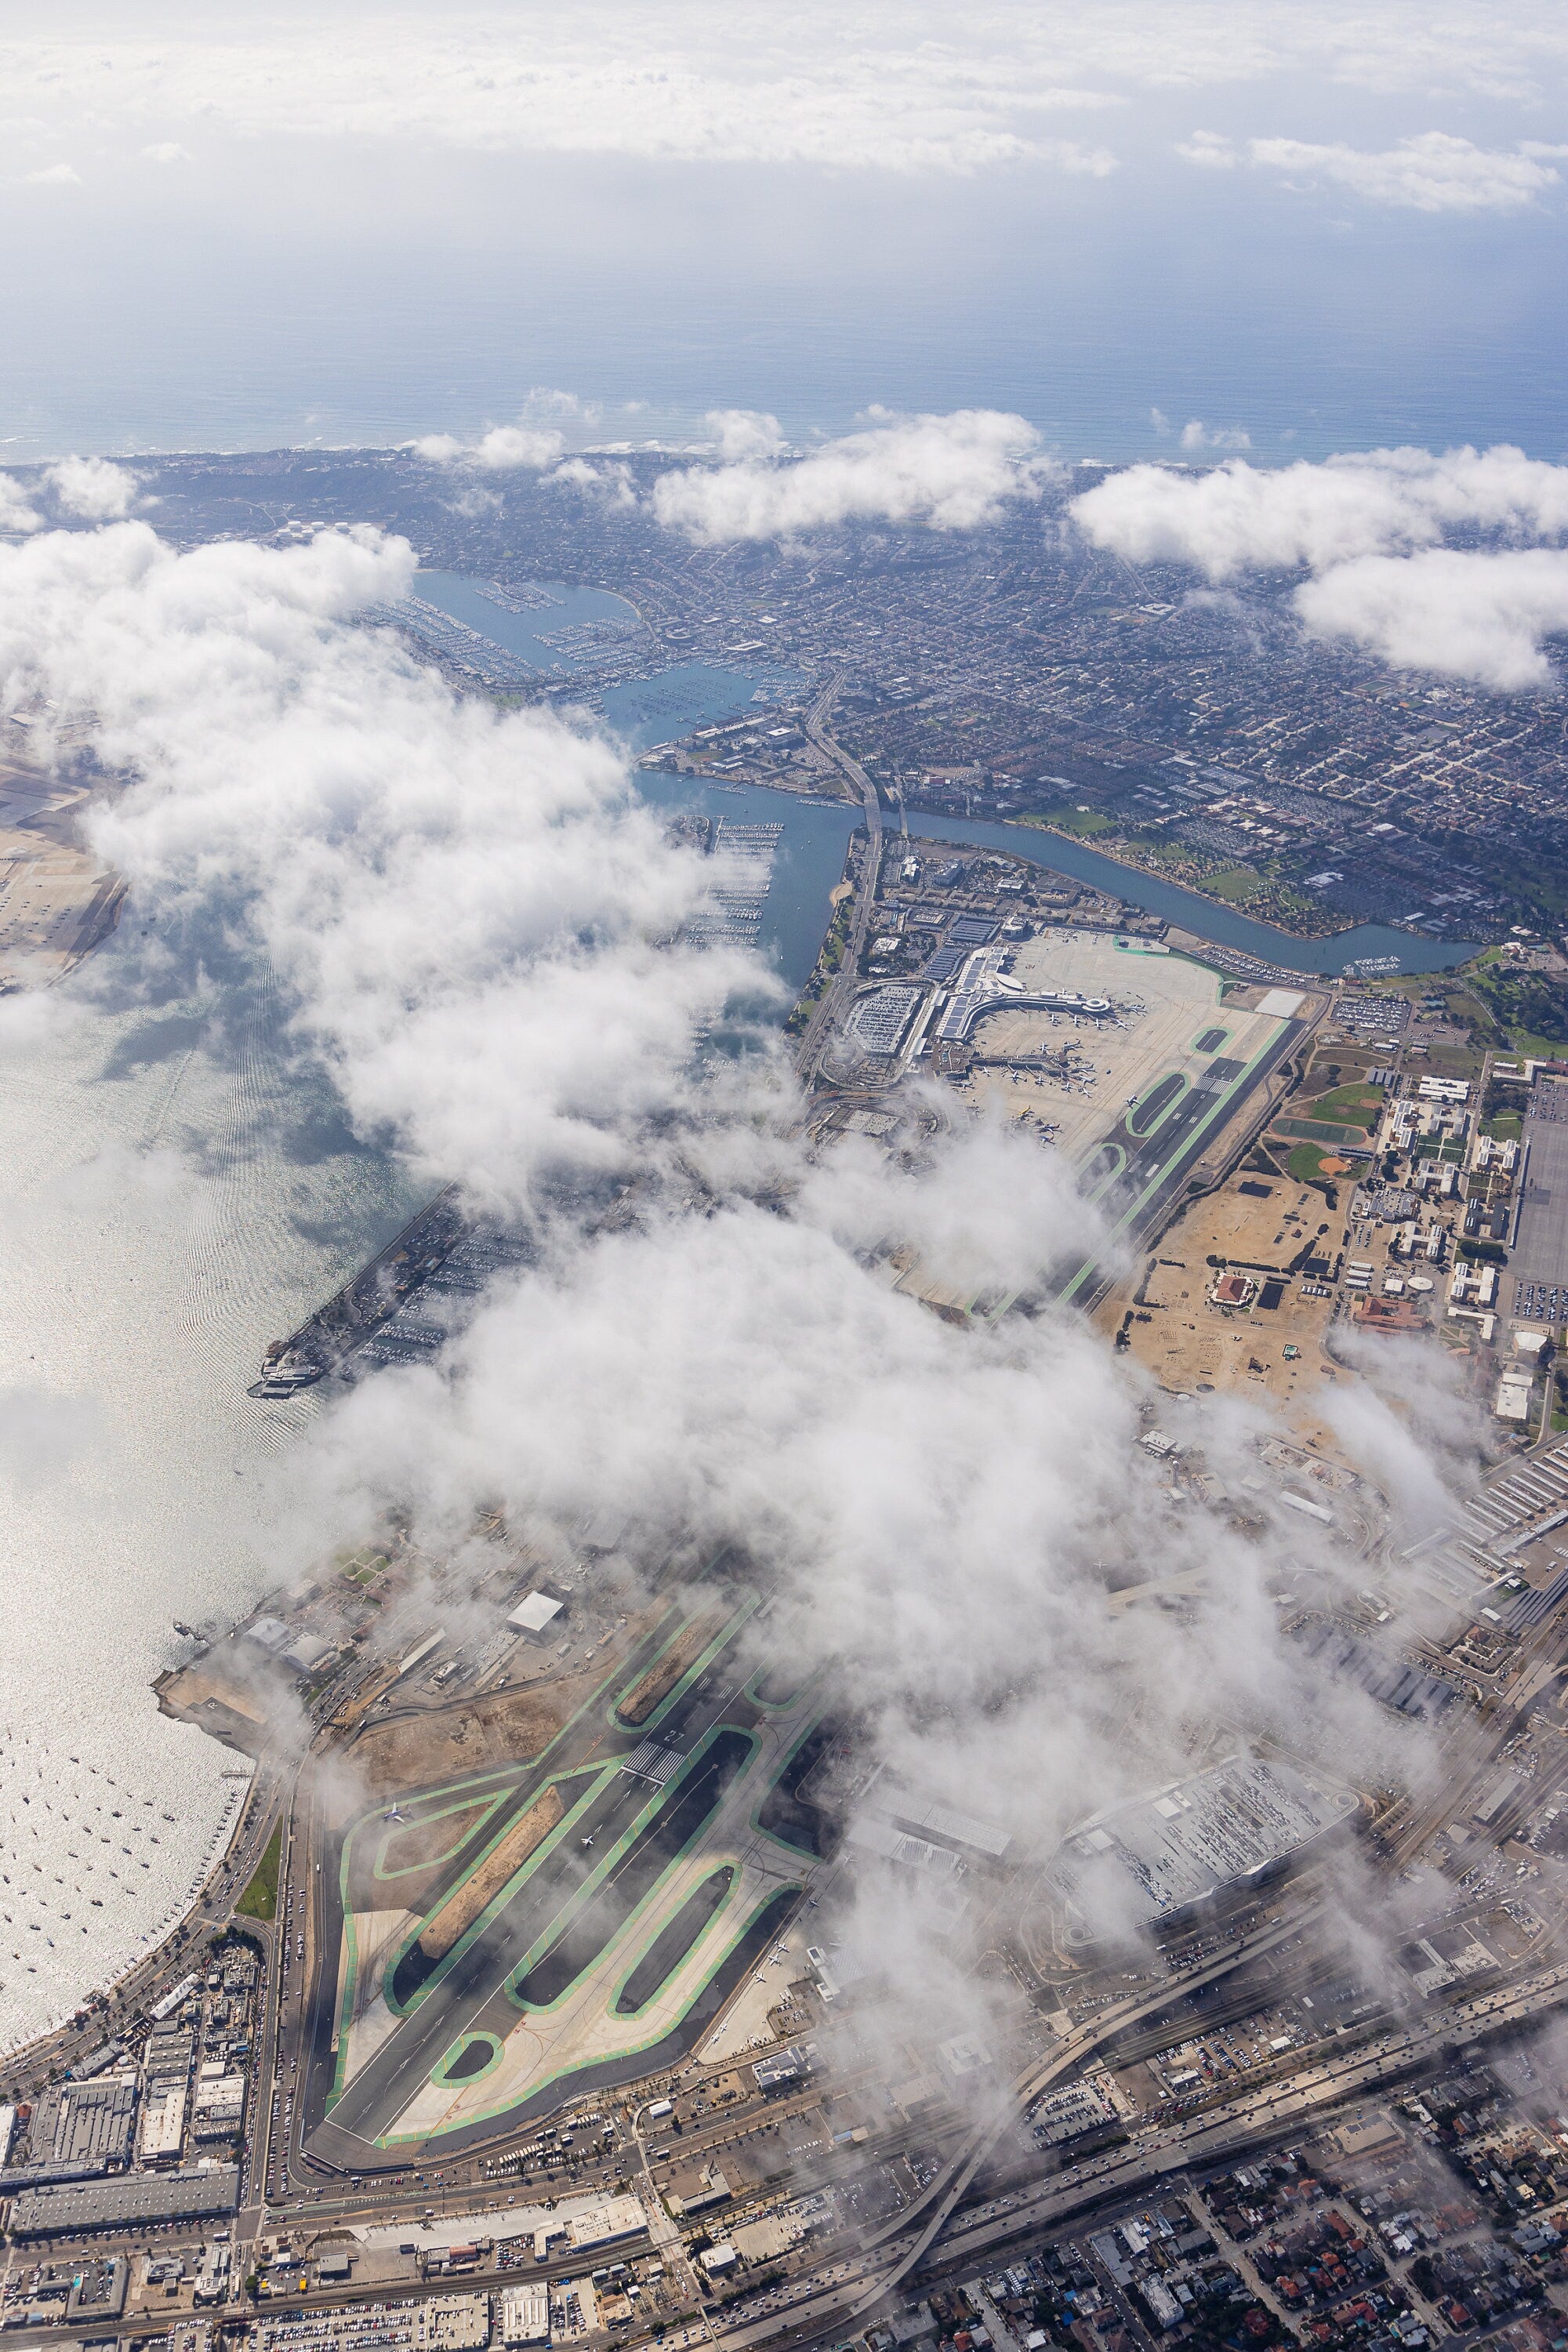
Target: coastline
[[1158, 874]]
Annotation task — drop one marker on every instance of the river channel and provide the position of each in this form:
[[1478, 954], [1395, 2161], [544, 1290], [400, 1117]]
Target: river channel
[[668, 704]]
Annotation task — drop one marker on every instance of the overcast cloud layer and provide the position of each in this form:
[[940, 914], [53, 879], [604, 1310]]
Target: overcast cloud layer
[[910, 90]]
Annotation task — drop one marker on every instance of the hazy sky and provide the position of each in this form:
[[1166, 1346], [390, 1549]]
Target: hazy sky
[[1319, 224]]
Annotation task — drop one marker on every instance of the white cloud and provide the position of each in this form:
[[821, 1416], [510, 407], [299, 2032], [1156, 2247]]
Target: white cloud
[[693, 83], [1211, 150], [478, 927], [92, 488], [911, 90], [16, 513], [951, 472], [165, 151], [1198, 436], [448, 891], [505, 449], [1084, 163], [1369, 526], [1432, 171], [1237, 517], [743, 433], [611, 484], [1452, 612], [53, 175]]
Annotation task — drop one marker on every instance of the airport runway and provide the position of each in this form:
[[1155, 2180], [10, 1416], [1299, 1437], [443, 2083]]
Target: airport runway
[[1137, 1173], [621, 1834]]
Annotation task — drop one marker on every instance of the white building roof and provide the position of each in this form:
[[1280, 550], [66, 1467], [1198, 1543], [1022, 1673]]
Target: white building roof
[[534, 1613]]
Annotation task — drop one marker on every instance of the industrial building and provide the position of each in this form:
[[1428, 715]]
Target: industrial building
[[86, 2125], [525, 2315], [129, 2202], [535, 1615], [1160, 1861], [456, 2323]]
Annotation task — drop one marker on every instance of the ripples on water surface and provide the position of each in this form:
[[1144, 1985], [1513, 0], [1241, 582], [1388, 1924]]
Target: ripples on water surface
[[175, 1194]]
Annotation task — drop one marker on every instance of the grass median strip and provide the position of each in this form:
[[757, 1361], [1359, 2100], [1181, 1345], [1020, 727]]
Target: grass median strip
[[259, 1900]]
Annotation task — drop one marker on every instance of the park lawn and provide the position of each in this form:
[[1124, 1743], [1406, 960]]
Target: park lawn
[[1352, 1105], [1306, 1163], [1506, 1127], [259, 1900], [1073, 819], [1235, 884]]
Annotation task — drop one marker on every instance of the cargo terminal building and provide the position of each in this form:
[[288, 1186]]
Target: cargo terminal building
[[1167, 1860]]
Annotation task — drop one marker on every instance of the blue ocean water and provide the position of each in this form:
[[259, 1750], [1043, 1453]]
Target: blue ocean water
[[1305, 325]]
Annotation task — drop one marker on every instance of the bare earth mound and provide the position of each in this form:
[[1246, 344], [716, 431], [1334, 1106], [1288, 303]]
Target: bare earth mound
[[416, 1751], [465, 1902], [666, 1671]]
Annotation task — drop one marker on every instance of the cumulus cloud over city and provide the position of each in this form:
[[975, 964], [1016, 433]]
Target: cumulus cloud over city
[[503, 449], [1369, 529], [951, 472], [437, 881], [1480, 616], [479, 930]]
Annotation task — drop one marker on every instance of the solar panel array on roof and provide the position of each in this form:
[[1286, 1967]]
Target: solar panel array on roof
[[1393, 1680], [1155, 1859]]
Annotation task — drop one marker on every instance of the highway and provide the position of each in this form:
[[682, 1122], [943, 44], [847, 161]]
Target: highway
[[841, 986], [823, 2305]]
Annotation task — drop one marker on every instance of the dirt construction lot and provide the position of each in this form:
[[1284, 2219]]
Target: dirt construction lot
[[1189, 1345], [436, 1743]]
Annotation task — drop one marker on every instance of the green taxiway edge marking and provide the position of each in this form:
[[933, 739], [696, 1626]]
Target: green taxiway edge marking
[[660, 1802], [699, 1667], [394, 1830], [609, 2057], [525, 1765], [593, 1777], [1103, 1183], [1222, 1103], [779, 1706], [441, 2074], [1140, 1134], [730, 1870], [755, 1824], [617, 1681], [596, 1775]]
